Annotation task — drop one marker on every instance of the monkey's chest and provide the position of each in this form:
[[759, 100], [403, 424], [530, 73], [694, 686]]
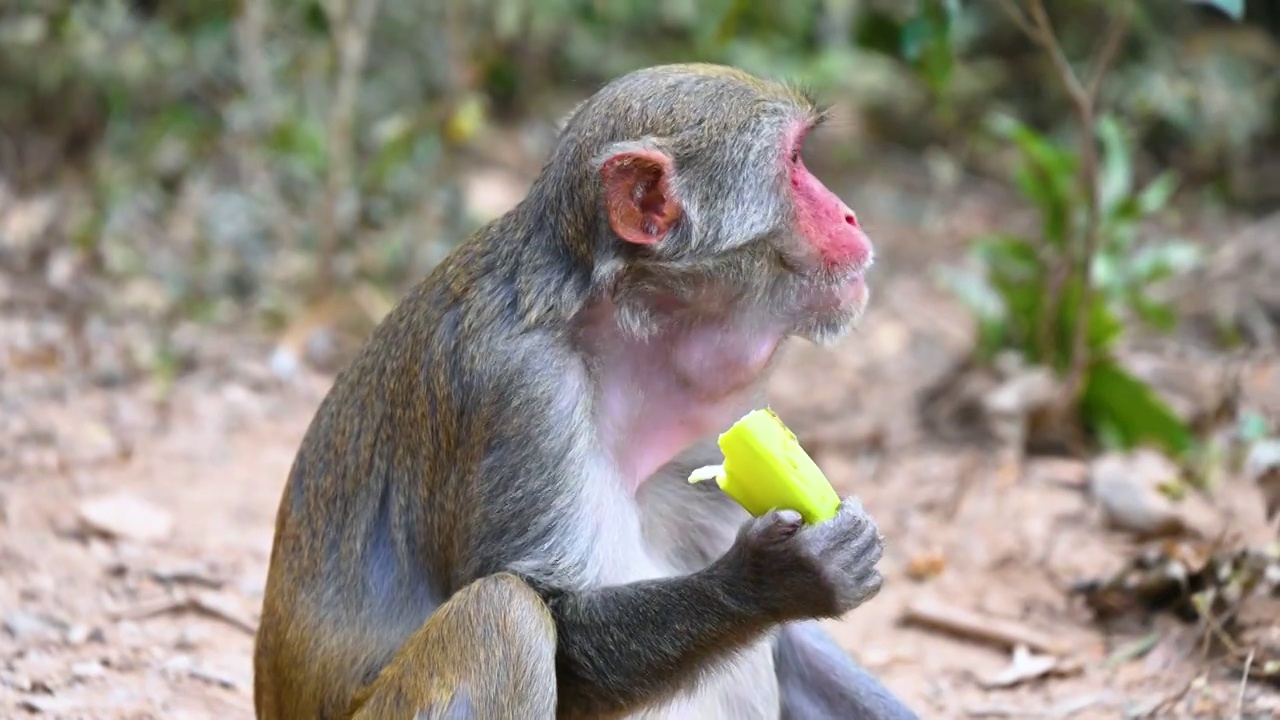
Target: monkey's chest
[[680, 529], [744, 687]]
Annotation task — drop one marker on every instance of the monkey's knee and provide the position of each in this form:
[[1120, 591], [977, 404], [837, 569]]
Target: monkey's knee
[[488, 652], [502, 605]]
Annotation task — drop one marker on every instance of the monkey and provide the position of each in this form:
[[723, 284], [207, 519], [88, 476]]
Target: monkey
[[489, 514]]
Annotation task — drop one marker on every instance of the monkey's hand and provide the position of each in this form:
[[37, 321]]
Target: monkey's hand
[[790, 570]]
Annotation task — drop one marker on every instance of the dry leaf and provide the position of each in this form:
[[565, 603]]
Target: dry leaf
[[926, 565], [1022, 666]]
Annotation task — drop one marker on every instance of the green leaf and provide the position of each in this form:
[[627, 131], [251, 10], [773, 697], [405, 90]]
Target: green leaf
[[1104, 325], [1154, 263], [1017, 274], [1157, 193], [1046, 175], [1115, 180], [879, 32], [301, 140], [1160, 316], [1120, 405], [984, 301], [916, 34], [975, 292], [1252, 426], [1233, 9]]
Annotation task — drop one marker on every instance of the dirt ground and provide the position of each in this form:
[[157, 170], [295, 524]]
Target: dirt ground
[[150, 615]]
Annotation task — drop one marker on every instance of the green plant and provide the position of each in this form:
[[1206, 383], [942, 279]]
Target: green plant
[[1014, 311], [1066, 297]]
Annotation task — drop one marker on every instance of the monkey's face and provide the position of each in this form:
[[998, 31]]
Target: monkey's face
[[715, 207], [823, 250]]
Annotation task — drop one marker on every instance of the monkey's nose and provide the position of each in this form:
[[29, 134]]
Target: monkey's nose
[[847, 246]]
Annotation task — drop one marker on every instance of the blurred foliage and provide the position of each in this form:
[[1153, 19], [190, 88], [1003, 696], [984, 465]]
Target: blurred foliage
[[1010, 297], [1066, 297], [224, 160]]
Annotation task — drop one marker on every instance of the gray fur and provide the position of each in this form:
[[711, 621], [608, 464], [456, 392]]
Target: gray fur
[[466, 441]]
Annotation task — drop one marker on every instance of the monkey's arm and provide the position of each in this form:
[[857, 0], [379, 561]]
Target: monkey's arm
[[627, 646], [817, 678]]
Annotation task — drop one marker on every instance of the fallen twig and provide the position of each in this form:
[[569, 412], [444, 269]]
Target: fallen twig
[[1063, 709], [1005, 634], [206, 604], [1244, 683]]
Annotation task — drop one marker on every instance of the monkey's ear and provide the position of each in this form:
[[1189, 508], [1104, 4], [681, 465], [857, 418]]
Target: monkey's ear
[[638, 195]]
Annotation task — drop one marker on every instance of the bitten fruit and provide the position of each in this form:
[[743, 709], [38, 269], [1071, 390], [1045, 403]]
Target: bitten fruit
[[766, 469]]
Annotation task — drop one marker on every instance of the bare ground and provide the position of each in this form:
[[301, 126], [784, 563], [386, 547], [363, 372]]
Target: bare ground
[[160, 625]]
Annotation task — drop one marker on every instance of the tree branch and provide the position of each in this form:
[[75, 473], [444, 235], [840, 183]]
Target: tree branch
[[1084, 99], [352, 23], [1074, 384]]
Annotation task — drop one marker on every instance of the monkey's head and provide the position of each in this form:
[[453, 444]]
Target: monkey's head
[[700, 202]]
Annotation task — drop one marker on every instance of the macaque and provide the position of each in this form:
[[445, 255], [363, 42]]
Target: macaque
[[489, 516]]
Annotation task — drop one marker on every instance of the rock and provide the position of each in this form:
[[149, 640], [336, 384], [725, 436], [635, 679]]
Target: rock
[[21, 683], [27, 627], [1131, 489], [178, 665], [1065, 472], [50, 704], [82, 634], [1263, 467], [127, 517], [90, 443], [88, 670], [1260, 387]]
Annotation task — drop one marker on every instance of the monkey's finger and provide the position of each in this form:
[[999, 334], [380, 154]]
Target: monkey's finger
[[871, 584], [777, 525], [849, 523], [851, 505], [855, 550]]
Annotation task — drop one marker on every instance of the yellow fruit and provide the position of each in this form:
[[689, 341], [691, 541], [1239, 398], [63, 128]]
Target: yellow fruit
[[766, 469]]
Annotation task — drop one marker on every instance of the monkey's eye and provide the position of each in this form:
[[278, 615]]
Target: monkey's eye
[[795, 156]]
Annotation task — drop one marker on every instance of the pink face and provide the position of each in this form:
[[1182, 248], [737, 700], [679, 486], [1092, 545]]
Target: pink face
[[828, 225]]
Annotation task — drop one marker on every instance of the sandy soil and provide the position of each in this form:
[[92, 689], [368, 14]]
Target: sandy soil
[[156, 622]]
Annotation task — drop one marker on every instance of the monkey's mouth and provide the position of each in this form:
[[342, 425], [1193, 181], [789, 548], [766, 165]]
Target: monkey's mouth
[[853, 292], [843, 293]]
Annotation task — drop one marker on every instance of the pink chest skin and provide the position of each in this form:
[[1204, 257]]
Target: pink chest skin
[[662, 395]]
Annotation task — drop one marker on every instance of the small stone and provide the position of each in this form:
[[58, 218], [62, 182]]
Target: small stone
[[25, 626], [88, 670], [1129, 488], [1263, 467], [178, 665], [81, 634], [127, 517], [47, 704], [191, 637], [21, 683]]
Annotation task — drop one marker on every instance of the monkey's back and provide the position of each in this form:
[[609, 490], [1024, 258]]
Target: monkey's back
[[407, 484]]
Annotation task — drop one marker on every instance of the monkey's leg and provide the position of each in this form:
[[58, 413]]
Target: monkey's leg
[[818, 679], [487, 653]]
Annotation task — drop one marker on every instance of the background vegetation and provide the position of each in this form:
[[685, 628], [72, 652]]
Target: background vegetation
[[231, 162], [1074, 345]]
